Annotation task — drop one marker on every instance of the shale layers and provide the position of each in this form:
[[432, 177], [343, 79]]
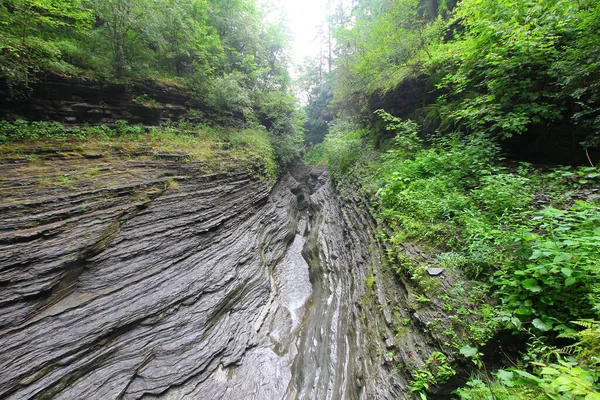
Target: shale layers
[[140, 277]]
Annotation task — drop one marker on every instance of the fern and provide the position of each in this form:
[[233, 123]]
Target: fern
[[571, 349], [587, 347], [587, 323]]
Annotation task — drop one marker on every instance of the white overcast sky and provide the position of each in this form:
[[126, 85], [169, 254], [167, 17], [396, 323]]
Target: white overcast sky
[[303, 18]]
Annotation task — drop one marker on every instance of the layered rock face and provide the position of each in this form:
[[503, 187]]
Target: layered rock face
[[135, 277], [145, 278], [76, 101], [132, 288]]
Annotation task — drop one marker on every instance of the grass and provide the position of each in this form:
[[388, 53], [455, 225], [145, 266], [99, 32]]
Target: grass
[[217, 149]]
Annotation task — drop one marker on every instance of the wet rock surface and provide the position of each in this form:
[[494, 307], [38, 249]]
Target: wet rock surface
[[144, 277], [147, 278]]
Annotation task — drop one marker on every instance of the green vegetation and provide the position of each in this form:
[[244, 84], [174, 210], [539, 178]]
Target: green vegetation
[[499, 67], [466, 78], [218, 149], [521, 232], [438, 370], [223, 53]]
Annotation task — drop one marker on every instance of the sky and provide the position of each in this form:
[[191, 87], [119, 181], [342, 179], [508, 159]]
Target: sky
[[303, 18]]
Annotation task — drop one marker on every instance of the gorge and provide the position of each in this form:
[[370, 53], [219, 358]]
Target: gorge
[[154, 279], [187, 211]]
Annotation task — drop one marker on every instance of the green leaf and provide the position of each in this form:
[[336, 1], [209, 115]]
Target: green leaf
[[505, 376], [529, 376], [566, 271], [531, 285], [570, 281], [541, 325], [563, 257], [468, 351], [535, 255], [564, 380], [529, 236], [549, 371], [516, 322], [523, 311]]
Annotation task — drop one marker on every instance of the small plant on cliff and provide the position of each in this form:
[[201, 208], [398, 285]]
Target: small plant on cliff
[[371, 280], [145, 100], [436, 371]]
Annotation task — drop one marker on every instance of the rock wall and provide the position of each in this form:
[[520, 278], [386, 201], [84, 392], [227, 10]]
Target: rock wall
[[336, 359], [149, 278], [143, 278], [76, 101]]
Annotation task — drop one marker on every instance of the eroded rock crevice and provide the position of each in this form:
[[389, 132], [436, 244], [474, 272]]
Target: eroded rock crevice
[[154, 279]]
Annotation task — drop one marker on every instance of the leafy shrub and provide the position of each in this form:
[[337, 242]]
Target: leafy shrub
[[123, 128], [315, 155], [479, 388], [21, 130], [437, 371], [431, 187], [503, 193], [504, 82], [406, 138], [230, 97], [555, 278], [451, 260], [284, 120], [343, 146]]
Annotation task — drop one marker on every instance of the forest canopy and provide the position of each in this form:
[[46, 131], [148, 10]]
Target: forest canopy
[[224, 52], [492, 67]]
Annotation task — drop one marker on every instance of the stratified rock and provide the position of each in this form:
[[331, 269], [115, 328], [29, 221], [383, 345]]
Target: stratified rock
[[141, 277], [78, 101], [130, 288]]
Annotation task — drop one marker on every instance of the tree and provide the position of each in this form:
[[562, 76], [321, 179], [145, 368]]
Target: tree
[[28, 28], [188, 43], [24, 19], [317, 91], [124, 23], [237, 23]]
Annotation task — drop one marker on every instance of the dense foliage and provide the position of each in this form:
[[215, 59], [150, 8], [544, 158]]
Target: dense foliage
[[526, 235], [529, 236], [225, 53], [500, 67], [520, 63]]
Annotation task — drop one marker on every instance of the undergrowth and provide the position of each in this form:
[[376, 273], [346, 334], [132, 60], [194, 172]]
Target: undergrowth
[[219, 149], [529, 236]]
